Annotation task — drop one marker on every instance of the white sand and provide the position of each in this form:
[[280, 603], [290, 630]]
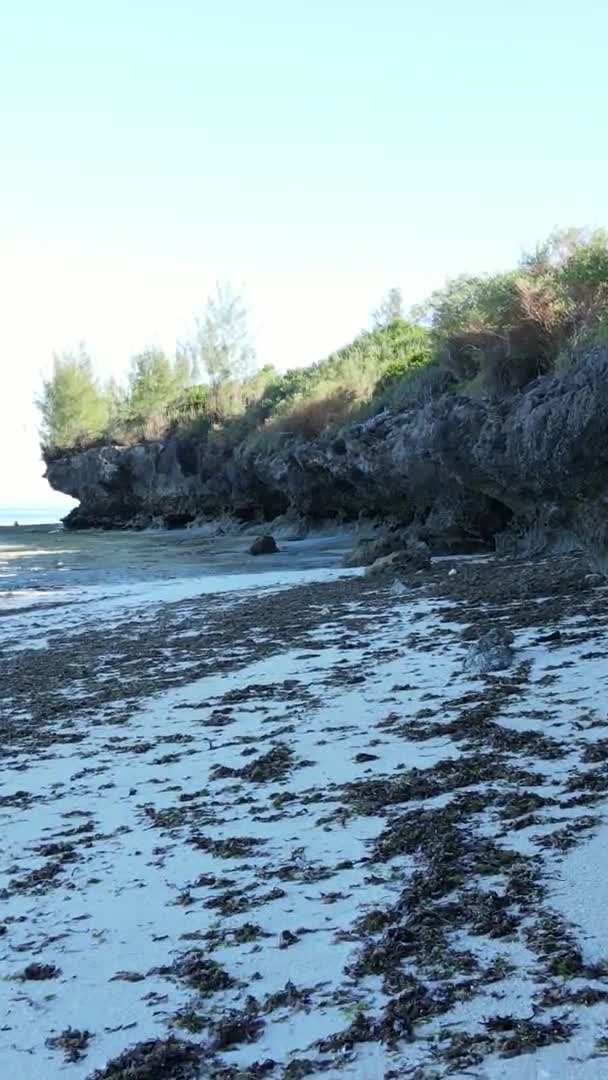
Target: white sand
[[119, 911]]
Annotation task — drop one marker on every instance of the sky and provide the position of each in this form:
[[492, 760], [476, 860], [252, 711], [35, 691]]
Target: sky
[[316, 152]]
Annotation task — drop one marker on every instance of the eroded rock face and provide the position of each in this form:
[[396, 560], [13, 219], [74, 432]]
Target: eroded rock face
[[453, 467]]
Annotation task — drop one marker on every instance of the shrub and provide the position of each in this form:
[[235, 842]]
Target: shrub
[[478, 335], [501, 331], [73, 407], [313, 415]]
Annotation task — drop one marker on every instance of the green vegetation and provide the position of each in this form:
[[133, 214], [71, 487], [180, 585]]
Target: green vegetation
[[306, 401], [390, 308], [162, 398], [74, 409], [222, 342], [498, 332], [483, 334]]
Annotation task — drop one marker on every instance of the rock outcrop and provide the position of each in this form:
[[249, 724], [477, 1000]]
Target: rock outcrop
[[453, 467], [492, 652], [264, 545]]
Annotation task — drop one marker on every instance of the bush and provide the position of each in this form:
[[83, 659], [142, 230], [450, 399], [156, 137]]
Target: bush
[[74, 409], [478, 335], [328, 394], [501, 331], [311, 416]]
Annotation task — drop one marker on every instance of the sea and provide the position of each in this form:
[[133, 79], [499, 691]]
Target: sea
[[46, 570], [32, 515]]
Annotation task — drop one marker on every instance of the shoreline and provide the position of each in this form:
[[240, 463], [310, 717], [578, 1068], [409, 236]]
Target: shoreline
[[288, 827]]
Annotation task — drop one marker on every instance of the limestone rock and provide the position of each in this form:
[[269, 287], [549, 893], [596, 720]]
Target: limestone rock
[[369, 551], [449, 463], [410, 560], [264, 545], [492, 652]]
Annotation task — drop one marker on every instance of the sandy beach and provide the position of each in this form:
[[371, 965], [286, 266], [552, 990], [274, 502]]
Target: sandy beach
[[283, 830]]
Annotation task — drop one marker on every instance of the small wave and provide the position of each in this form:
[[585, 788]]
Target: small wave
[[27, 598]]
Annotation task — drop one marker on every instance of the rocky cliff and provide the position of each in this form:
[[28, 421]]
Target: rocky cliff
[[451, 465]]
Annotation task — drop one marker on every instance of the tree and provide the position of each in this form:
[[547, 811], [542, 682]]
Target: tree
[[390, 308], [562, 246], [222, 342], [484, 303], [117, 400], [73, 407], [154, 382]]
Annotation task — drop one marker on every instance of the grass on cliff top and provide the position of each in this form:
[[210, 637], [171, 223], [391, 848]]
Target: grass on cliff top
[[478, 335], [265, 406]]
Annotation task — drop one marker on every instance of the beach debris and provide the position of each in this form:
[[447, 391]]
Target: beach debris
[[39, 972], [202, 973], [173, 1059], [435, 902], [287, 939], [235, 1027], [73, 1042], [273, 766]]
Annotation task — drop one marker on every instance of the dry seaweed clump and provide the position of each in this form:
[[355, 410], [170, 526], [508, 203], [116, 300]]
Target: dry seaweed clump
[[235, 1027], [233, 847], [515, 1036], [202, 974], [73, 1042], [559, 950], [157, 1059], [267, 768], [39, 972]]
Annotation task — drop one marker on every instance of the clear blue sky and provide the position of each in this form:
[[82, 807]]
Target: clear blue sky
[[318, 151]]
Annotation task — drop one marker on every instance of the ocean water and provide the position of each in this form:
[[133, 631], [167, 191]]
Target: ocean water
[[32, 515], [42, 564]]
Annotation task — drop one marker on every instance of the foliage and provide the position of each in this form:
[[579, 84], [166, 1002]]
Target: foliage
[[390, 308], [160, 398], [222, 343], [155, 381], [160, 395], [325, 408], [478, 334], [499, 331], [74, 410], [327, 394], [189, 404], [469, 303]]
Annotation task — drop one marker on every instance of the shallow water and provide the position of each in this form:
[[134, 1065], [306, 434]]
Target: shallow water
[[41, 564], [33, 515]]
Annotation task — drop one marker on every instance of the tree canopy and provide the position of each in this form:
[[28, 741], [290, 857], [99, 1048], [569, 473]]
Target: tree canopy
[[389, 309], [73, 407]]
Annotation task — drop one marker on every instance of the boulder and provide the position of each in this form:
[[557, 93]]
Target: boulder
[[417, 556], [592, 581], [386, 565], [492, 652], [411, 559], [264, 545], [367, 552]]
